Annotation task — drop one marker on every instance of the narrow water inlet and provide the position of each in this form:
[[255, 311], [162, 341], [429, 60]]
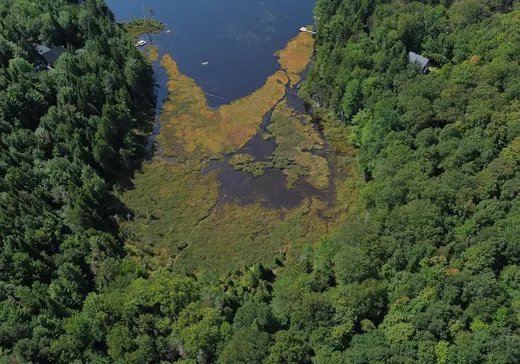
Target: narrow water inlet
[[161, 89]]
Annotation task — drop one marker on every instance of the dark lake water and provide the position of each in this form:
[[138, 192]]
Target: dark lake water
[[237, 38]]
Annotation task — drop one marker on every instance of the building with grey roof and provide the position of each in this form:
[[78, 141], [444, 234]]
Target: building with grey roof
[[417, 58], [50, 55]]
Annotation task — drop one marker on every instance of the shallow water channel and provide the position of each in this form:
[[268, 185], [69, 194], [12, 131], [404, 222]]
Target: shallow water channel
[[271, 188]]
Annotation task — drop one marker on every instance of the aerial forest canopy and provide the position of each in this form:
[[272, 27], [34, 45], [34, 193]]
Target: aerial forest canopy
[[427, 272], [67, 129]]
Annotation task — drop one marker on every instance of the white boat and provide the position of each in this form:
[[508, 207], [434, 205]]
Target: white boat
[[169, 31], [140, 43], [205, 63]]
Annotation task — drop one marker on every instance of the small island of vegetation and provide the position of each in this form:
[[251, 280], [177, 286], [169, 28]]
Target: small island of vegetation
[[138, 27]]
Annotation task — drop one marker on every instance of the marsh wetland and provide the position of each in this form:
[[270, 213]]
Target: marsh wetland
[[237, 182]]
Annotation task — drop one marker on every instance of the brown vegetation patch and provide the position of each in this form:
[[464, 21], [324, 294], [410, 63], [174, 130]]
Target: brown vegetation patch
[[153, 53]]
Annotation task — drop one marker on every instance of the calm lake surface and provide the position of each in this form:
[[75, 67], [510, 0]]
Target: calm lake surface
[[237, 38]]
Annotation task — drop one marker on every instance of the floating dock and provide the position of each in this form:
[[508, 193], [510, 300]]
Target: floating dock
[[304, 29]]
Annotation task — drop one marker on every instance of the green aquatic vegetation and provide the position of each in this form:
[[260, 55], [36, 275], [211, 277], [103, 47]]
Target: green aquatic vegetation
[[297, 143], [247, 163], [167, 201], [180, 221], [138, 27], [293, 173], [241, 161]]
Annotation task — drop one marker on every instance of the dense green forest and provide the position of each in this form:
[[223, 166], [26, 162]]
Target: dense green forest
[[66, 133], [428, 272]]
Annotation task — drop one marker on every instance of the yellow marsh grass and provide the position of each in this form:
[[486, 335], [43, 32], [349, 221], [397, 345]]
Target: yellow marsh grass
[[296, 55], [188, 124]]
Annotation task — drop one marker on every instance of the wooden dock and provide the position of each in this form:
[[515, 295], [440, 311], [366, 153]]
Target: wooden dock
[[304, 29]]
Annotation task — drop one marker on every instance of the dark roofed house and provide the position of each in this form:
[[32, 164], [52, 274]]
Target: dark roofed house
[[50, 55], [41, 49], [417, 58]]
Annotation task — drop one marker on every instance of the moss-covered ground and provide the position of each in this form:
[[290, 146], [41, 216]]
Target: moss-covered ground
[[177, 218]]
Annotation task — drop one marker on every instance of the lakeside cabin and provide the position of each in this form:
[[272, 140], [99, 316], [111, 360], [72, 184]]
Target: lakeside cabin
[[422, 61], [49, 56]]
